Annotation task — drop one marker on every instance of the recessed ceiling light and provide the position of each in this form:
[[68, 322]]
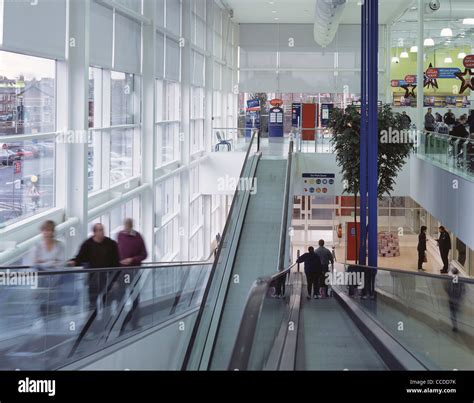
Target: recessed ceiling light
[[404, 55], [461, 55], [448, 60], [273, 11], [468, 21], [276, 18], [414, 49], [271, 2]]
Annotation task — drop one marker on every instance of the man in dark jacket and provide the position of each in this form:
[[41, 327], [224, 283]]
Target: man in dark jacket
[[313, 271], [449, 118], [97, 252], [459, 129], [444, 244], [325, 256], [470, 121], [429, 121]]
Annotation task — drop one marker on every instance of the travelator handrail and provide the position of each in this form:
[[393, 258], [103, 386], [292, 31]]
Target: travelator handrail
[[253, 307], [468, 280], [286, 203], [250, 317], [143, 265], [187, 356], [85, 269]]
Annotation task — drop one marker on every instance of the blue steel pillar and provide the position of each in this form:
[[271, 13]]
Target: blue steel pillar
[[373, 137], [363, 137]]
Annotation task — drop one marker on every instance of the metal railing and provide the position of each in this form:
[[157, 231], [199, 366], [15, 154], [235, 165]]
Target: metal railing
[[455, 154]]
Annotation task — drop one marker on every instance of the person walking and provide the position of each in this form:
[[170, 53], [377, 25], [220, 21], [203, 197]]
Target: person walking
[[325, 256], [455, 290], [132, 252], [48, 254], [312, 270], [422, 247], [429, 121], [444, 244], [97, 252]]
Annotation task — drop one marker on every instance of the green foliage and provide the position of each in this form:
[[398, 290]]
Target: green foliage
[[391, 156]]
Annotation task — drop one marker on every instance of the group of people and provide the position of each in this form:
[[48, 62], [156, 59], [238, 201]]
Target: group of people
[[316, 265], [98, 251], [448, 124], [444, 245]]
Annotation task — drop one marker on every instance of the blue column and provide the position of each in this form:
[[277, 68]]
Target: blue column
[[363, 137], [373, 137]]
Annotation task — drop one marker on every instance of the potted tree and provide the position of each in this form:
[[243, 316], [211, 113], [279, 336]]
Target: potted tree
[[395, 145]]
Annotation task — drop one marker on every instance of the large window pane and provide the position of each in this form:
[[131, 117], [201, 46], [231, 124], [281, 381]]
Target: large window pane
[[121, 98], [27, 178], [27, 94], [121, 155]]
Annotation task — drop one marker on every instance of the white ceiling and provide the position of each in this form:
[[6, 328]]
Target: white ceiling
[[302, 11]]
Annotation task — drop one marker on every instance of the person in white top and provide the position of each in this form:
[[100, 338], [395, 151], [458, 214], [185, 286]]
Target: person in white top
[[49, 255]]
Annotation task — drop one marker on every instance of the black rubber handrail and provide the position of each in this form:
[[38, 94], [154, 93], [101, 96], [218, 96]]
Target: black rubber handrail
[[76, 270], [286, 201], [187, 355], [143, 265], [250, 317]]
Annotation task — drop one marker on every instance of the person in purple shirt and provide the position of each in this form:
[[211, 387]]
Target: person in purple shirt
[[132, 252], [132, 249]]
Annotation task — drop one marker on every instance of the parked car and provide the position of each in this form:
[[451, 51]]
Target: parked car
[[22, 152], [7, 157]]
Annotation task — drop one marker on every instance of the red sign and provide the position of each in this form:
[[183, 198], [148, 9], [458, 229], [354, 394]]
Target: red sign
[[432, 73], [17, 167], [276, 102], [351, 241], [469, 62], [395, 83], [410, 79]]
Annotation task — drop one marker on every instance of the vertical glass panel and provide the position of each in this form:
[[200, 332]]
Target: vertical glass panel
[[121, 105]]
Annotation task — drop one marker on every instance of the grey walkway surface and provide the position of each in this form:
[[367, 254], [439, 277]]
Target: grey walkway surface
[[257, 254], [329, 340]]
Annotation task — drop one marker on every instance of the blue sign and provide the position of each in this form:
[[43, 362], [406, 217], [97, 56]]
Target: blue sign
[[252, 117], [447, 72], [295, 114], [253, 103], [326, 111], [275, 122]]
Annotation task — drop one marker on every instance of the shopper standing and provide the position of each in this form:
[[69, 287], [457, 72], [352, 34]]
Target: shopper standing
[[48, 254], [312, 270], [444, 244], [422, 248], [449, 118], [132, 252], [97, 252], [325, 256], [429, 121]]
